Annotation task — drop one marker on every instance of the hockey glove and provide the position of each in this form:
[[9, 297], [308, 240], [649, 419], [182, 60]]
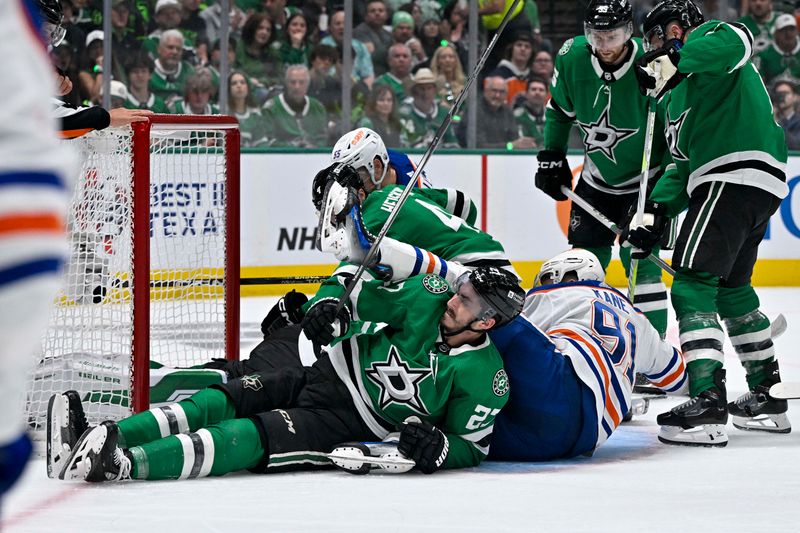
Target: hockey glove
[[288, 310], [553, 172], [657, 71], [345, 175], [424, 443], [322, 324], [643, 238], [13, 456]]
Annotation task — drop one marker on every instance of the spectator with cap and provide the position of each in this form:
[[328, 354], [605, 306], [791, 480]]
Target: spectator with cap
[[403, 33], [171, 71], [781, 59], [515, 68], [372, 33], [450, 79], [243, 106], [422, 116], [168, 16], [256, 57], [529, 112], [90, 76], [362, 62], [197, 93], [119, 94], [498, 128], [760, 20], [293, 118], [786, 99], [139, 71], [398, 78]]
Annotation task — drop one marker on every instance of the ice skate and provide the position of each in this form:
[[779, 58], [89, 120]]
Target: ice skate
[[66, 422], [364, 457], [700, 421], [757, 410], [97, 457]]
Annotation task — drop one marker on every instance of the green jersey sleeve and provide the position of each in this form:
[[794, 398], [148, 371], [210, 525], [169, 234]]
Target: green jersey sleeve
[[560, 111], [716, 48]]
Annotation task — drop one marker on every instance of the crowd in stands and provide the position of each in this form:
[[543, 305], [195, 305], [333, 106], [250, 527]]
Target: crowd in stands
[[409, 64]]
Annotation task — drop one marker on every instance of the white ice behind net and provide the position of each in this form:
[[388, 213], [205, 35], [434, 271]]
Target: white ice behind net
[[87, 346]]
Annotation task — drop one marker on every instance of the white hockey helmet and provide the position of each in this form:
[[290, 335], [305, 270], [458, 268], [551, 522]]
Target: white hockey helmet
[[359, 148], [582, 262]]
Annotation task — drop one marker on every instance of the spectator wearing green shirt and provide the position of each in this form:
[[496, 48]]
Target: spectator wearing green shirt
[[242, 105], [423, 115], [398, 78], [196, 96], [294, 47], [529, 113], [170, 71], [256, 57], [139, 70], [759, 21], [293, 118], [781, 59], [168, 16]]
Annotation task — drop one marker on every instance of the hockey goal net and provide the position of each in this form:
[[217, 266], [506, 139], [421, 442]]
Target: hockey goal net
[[153, 273]]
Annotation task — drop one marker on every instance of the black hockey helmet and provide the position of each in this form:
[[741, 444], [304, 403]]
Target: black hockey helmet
[[53, 16], [500, 292], [346, 175], [607, 16], [684, 12]]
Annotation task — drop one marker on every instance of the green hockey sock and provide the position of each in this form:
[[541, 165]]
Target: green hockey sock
[[603, 254], [751, 336], [701, 375], [229, 446], [203, 408], [694, 292]]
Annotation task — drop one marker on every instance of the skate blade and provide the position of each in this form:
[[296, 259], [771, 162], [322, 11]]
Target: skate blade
[[767, 423], [79, 463], [357, 459], [709, 435], [57, 450]]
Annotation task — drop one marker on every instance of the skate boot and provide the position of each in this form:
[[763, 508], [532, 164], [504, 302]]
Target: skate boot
[[66, 422], [757, 410], [364, 457], [97, 457], [700, 421]]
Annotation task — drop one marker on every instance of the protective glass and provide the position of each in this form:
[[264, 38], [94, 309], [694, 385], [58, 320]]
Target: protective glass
[[653, 39], [608, 39], [472, 300], [54, 34]]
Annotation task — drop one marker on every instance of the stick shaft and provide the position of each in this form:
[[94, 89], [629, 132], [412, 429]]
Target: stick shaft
[[648, 148]]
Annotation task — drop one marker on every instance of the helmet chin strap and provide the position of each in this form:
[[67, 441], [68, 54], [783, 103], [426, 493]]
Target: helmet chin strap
[[379, 182]]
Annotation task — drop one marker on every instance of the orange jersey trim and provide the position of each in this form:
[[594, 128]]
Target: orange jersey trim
[[45, 223]]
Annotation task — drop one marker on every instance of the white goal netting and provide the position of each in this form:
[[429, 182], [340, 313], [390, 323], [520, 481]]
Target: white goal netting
[[145, 284]]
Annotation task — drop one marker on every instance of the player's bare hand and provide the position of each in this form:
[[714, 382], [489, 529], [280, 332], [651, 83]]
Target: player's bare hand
[[122, 117]]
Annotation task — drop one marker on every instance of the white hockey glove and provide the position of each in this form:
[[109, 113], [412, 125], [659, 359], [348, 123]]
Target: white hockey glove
[[657, 71]]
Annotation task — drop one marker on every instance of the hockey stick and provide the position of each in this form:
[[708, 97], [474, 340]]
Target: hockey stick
[[600, 217], [648, 148], [373, 249]]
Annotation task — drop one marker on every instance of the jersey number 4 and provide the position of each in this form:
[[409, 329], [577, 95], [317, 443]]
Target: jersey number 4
[[619, 339]]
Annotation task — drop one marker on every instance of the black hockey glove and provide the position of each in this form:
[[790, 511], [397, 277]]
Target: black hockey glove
[[553, 172], [288, 310], [645, 237], [344, 174], [424, 443], [657, 71], [322, 324]]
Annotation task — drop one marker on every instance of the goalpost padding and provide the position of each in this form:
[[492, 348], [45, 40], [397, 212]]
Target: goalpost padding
[[153, 273]]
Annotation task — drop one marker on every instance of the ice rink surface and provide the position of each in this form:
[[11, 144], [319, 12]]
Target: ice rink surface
[[632, 483]]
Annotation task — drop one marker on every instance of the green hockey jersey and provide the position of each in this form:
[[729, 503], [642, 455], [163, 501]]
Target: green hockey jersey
[[436, 220], [284, 127], [719, 120], [610, 112], [405, 368], [773, 63]]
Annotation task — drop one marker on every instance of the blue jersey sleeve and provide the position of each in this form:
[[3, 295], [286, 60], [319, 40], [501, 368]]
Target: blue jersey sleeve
[[404, 167]]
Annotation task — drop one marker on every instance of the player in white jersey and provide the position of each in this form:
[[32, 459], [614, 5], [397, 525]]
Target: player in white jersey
[[571, 357], [33, 166]]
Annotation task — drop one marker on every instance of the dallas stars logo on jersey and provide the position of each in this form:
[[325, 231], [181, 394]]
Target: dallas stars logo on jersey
[[673, 134], [398, 382], [602, 136]]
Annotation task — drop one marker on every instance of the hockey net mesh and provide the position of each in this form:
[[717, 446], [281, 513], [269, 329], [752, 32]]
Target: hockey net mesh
[[88, 343]]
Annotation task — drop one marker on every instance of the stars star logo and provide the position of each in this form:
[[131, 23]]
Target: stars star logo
[[398, 382], [673, 134], [602, 136]]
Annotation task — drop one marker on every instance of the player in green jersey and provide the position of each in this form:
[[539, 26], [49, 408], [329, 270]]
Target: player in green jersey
[[594, 88], [412, 356], [732, 179]]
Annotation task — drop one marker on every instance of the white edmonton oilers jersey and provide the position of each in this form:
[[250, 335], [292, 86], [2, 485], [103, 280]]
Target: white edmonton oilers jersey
[[607, 341]]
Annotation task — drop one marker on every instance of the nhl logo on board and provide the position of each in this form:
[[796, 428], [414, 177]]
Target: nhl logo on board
[[434, 284], [252, 382], [500, 383]]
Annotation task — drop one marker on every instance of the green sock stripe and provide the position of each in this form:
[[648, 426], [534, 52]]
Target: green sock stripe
[[297, 458]]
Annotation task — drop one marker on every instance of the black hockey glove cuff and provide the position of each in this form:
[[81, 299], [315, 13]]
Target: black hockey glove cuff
[[288, 310], [553, 172], [322, 324], [644, 237], [424, 443]]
